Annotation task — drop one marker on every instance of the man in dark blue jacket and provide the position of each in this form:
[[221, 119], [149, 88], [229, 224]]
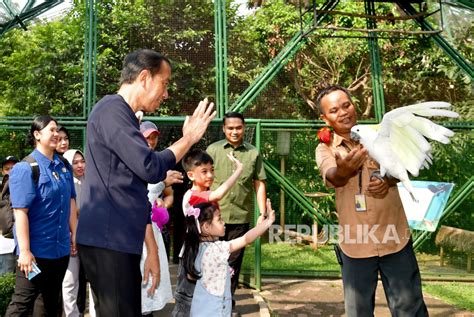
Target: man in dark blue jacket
[[115, 217]]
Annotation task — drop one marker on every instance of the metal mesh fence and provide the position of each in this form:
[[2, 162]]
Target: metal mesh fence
[[288, 96]]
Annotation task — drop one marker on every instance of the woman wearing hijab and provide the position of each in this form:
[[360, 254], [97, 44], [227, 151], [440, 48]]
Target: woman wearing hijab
[[74, 283]]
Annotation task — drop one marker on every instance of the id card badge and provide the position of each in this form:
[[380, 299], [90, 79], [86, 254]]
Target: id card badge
[[360, 202]]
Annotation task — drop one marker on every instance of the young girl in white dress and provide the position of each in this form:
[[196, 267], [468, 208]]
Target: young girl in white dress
[[163, 293], [206, 258], [160, 197]]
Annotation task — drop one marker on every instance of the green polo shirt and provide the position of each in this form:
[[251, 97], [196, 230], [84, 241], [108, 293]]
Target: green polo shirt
[[237, 204]]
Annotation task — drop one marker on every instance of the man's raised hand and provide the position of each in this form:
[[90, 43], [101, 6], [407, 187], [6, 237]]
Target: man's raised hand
[[195, 125]]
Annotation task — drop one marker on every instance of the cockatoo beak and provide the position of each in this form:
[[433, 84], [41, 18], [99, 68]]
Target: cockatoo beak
[[355, 136]]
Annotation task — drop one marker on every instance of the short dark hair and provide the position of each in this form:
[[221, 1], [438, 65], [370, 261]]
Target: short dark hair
[[139, 60], [326, 91], [63, 128], [38, 124], [234, 114], [195, 158]]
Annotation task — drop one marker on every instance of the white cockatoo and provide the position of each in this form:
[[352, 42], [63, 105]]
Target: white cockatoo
[[399, 142]]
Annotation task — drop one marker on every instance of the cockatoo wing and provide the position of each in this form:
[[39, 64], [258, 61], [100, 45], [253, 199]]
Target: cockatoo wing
[[407, 133], [410, 148]]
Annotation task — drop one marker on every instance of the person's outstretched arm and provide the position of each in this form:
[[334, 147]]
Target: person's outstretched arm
[[193, 128], [257, 231], [347, 167], [152, 261], [224, 188], [261, 193]]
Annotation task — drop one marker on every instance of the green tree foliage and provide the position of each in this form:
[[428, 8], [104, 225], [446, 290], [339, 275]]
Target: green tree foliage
[[414, 68], [184, 31], [43, 67], [42, 70], [454, 163], [180, 30], [14, 142], [7, 286]]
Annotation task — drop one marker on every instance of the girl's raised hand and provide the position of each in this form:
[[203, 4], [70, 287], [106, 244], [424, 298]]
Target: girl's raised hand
[[270, 213]]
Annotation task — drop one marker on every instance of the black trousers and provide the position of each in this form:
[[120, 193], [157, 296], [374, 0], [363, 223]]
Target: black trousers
[[48, 283], [400, 279], [233, 231], [115, 279], [166, 239], [81, 295]]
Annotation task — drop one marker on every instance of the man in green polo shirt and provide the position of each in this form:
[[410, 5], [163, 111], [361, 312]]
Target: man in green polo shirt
[[237, 205]]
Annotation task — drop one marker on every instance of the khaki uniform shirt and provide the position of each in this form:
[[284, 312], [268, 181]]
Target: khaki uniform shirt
[[237, 204], [380, 230]]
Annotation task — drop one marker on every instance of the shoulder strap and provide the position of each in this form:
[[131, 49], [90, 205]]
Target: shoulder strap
[[5, 187], [34, 167], [66, 162]]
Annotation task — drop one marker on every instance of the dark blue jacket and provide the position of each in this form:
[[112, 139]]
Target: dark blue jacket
[[114, 210]]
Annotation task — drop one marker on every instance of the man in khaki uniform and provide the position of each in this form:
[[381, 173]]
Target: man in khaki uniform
[[375, 237]]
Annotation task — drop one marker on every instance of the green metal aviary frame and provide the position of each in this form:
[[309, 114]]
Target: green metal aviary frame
[[257, 86], [220, 33], [298, 40], [375, 64], [90, 57], [18, 17], [294, 44], [260, 83], [440, 41]]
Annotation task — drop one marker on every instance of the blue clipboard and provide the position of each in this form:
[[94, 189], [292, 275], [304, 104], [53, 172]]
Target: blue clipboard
[[427, 211]]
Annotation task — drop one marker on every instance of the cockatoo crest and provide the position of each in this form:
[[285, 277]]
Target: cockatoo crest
[[399, 142]]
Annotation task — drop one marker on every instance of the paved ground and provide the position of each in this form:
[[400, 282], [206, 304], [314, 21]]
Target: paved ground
[[309, 297], [313, 297], [246, 303]]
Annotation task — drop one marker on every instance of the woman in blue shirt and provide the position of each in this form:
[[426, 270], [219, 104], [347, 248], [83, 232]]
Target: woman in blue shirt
[[43, 220]]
